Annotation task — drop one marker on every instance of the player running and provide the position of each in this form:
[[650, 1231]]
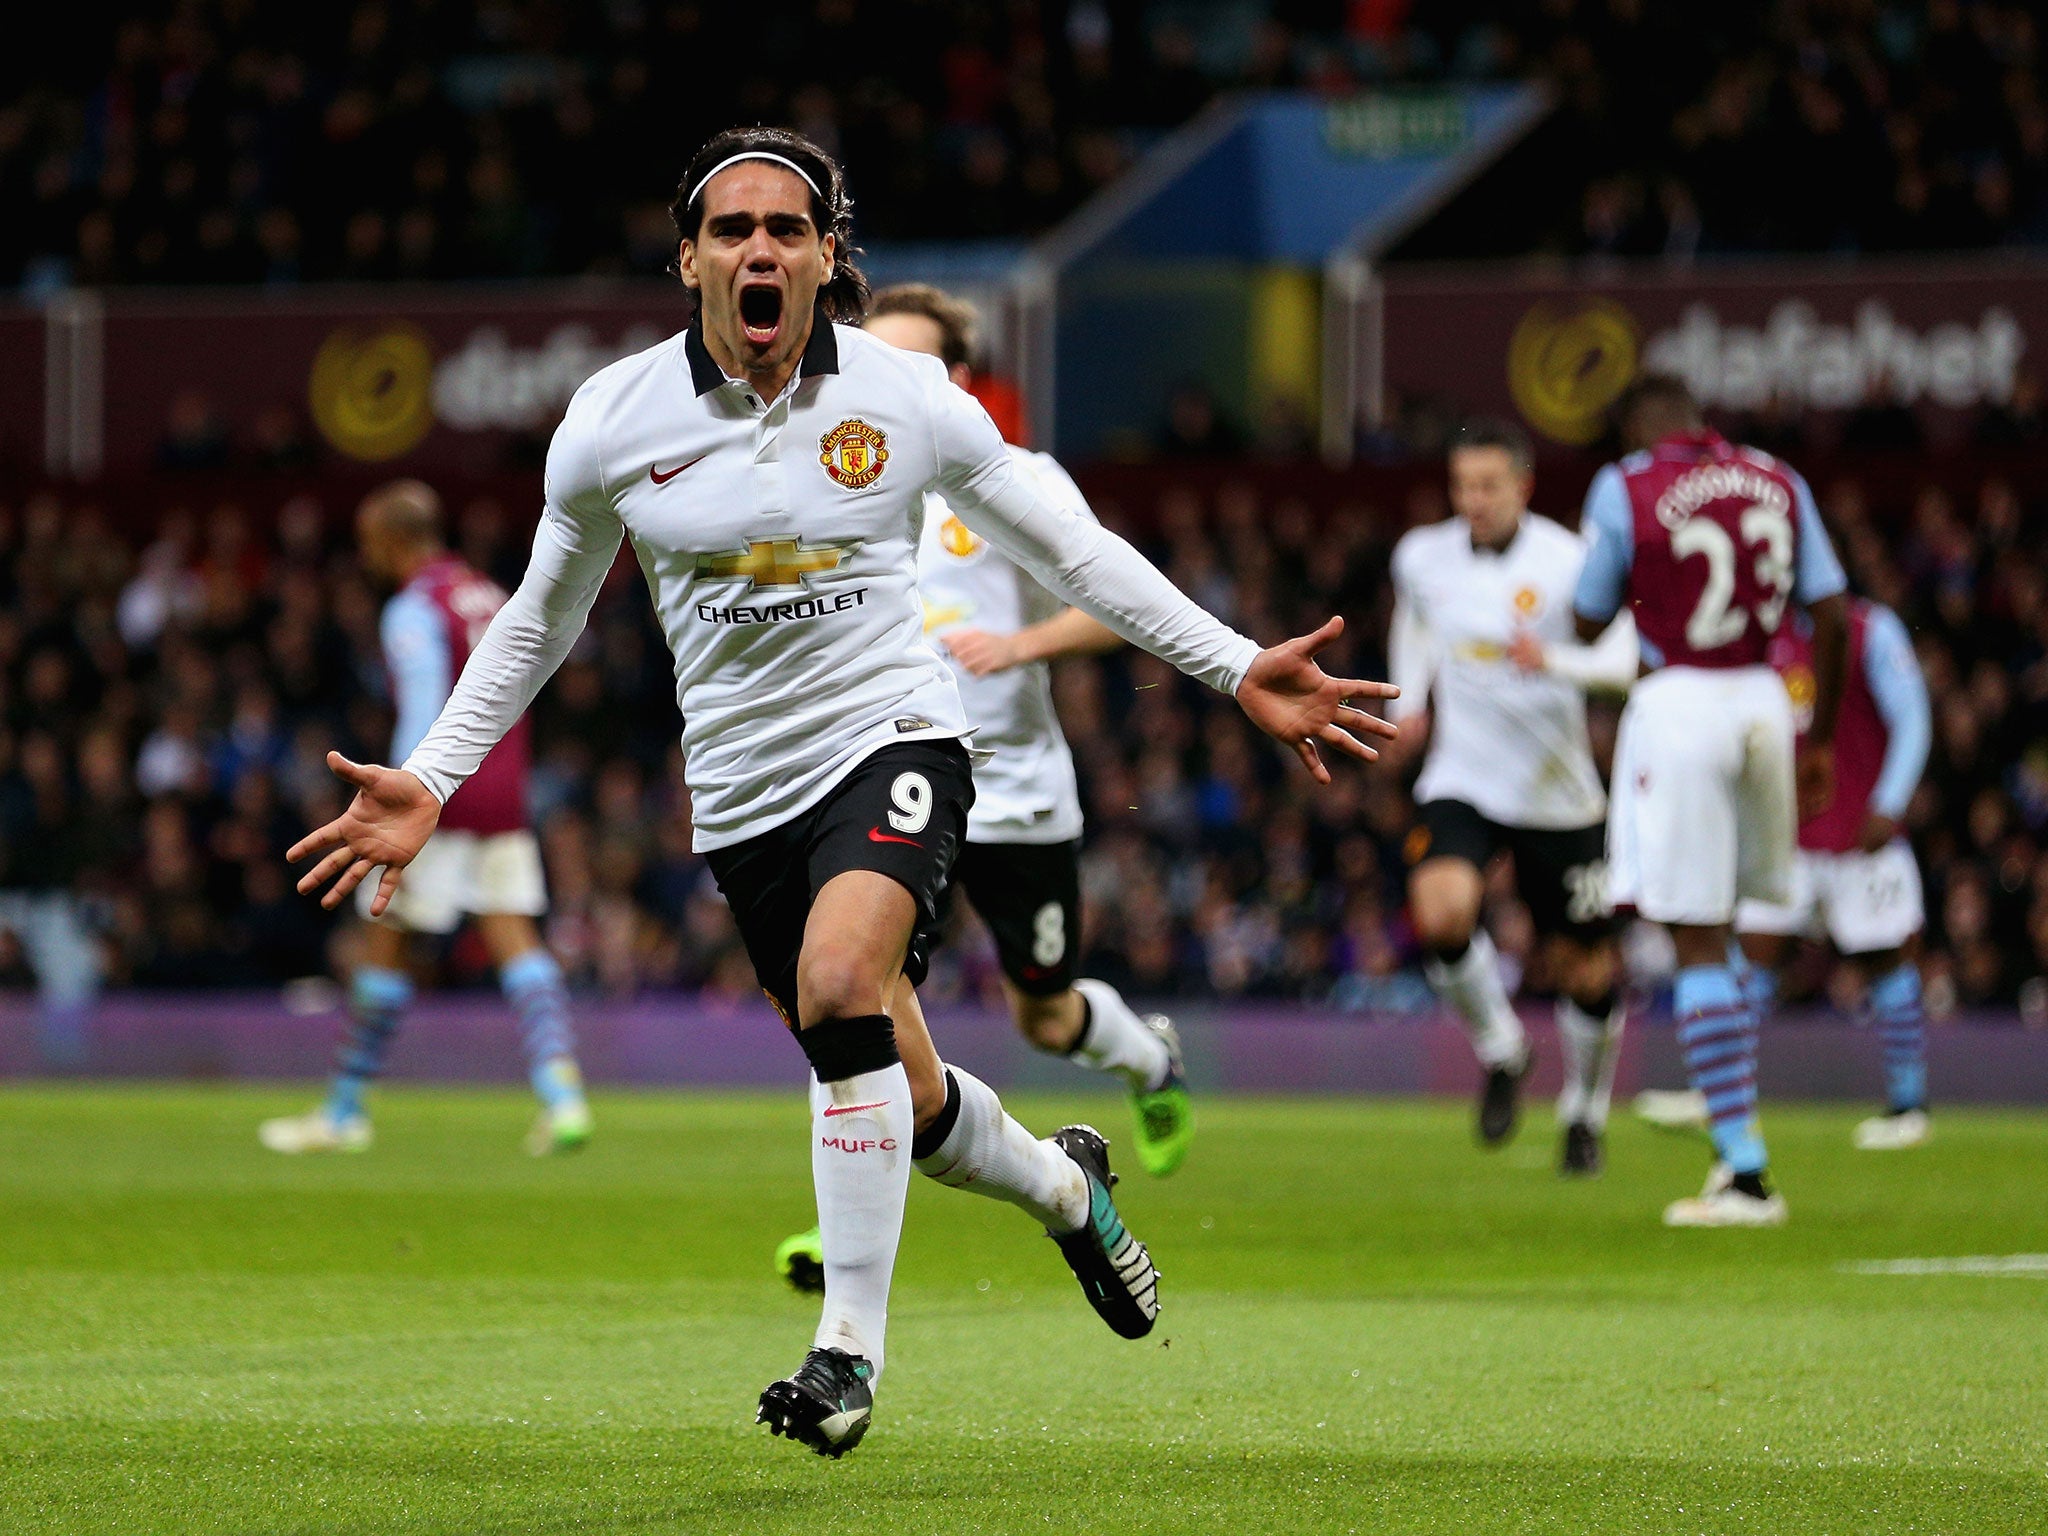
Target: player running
[[1020, 866], [1484, 652], [771, 469], [1855, 879], [483, 863], [1710, 543]]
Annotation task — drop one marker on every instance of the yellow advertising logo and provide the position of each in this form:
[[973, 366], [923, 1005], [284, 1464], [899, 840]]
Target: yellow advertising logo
[[957, 539], [854, 453], [1566, 366], [771, 564], [1802, 690], [373, 394]]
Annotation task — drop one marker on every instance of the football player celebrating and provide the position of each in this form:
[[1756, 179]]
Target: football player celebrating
[[770, 467], [1020, 865], [1483, 650]]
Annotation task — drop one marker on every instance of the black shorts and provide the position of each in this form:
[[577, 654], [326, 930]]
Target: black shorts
[[901, 812], [1561, 874], [1029, 894]]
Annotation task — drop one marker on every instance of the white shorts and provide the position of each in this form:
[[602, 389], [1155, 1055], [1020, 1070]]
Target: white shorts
[[1702, 811], [1860, 902], [461, 874]]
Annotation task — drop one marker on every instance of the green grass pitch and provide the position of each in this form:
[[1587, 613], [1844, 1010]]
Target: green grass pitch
[[1370, 1326]]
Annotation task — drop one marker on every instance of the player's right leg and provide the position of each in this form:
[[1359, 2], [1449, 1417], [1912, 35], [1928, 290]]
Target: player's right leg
[[1029, 895], [380, 991], [1446, 888]]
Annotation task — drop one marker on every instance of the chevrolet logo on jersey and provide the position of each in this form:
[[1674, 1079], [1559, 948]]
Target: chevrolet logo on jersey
[[776, 565]]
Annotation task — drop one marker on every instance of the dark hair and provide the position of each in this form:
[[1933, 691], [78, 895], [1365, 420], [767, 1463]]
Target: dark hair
[[845, 297], [1492, 432], [954, 316], [1663, 394]]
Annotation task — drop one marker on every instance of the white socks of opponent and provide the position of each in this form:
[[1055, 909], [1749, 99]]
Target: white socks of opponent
[[1471, 985], [1116, 1040], [988, 1153], [860, 1164], [1591, 1047]]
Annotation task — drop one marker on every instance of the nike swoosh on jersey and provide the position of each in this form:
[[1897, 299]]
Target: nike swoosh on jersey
[[877, 835], [663, 479], [854, 1109]]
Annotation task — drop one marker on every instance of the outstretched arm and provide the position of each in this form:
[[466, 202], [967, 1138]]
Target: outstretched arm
[[1070, 632], [1282, 689], [395, 809], [1608, 664]]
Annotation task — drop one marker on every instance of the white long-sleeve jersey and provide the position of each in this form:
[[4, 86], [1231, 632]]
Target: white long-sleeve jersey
[[1026, 792], [779, 541], [1511, 744]]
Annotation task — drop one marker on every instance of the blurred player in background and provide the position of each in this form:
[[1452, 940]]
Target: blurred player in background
[[1855, 879], [771, 467], [1483, 650], [1711, 543], [1020, 866], [483, 864]]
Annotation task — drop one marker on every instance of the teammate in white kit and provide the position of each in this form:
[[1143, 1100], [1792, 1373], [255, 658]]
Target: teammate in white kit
[[771, 468], [1711, 544], [1020, 866], [1483, 650]]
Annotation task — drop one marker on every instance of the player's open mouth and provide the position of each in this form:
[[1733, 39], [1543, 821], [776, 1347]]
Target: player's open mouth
[[761, 313]]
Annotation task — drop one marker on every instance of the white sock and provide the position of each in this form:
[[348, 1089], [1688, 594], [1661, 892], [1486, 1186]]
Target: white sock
[[1591, 1048], [860, 1165], [1471, 985], [1116, 1040], [988, 1153]]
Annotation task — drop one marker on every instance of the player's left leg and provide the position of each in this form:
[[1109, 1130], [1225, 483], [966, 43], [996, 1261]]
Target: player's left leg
[[1591, 1015], [532, 981], [1562, 877], [1701, 815], [1063, 1182], [1875, 913], [1029, 894]]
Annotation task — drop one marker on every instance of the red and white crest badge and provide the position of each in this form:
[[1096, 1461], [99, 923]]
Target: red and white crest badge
[[854, 453]]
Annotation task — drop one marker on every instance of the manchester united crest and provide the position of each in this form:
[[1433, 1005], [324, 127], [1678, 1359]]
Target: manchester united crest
[[854, 453]]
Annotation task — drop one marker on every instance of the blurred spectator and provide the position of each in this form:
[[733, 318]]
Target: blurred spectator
[[218, 141], [163, 717]]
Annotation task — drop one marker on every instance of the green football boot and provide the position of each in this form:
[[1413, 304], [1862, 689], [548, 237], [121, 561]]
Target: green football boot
[[1165, 1116], [801, 1261]]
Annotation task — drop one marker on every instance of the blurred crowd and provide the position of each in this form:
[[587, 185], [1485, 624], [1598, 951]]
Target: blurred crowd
[[165, 708], [226, 141]]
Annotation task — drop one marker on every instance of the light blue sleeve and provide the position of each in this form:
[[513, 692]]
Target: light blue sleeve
[[1818, 573], [1608, 528], [416, 652], [1893, 672]]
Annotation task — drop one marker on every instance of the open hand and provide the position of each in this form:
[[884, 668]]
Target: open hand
[[387, 824], [981, 652], [1293, 700], [1526, 652]]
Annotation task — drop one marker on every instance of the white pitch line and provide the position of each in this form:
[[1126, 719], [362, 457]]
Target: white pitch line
[[2022, 1264]]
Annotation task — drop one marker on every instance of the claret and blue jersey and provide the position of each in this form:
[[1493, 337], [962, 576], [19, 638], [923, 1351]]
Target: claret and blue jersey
[[1709, 542]]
